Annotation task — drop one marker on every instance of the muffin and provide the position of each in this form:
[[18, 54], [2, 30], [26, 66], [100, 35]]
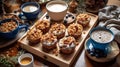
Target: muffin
[[75, 30], [69, 19], [49, 41], [34, 36], [58, 30], [67, 45], [43, 25], [83, 19]]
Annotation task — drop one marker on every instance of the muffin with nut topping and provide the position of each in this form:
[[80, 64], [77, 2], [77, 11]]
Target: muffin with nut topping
[[34, 36], [75, 30], [43, 25], [83, 19], [49, 41], [67, 45], [58, 30]]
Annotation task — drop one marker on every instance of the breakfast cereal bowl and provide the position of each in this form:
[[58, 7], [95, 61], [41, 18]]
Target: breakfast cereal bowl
[[9, 28], [101, 35], [57, 10]]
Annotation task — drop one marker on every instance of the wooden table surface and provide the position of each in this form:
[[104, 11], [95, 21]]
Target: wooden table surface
[[82, 60]]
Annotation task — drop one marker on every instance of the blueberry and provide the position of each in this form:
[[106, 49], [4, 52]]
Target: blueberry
[[97, 56], [92, 54], [97, 51], [88, 50], [73, 17], [65, 21], [92, 49], [47, 17], [104, 55], [66, 17]]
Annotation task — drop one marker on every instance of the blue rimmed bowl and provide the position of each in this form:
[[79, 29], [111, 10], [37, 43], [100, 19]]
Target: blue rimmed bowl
[[30, 15], [99, 36], [13, 33]]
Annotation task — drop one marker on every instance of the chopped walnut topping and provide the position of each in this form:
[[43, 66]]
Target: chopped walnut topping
[[67, 41], [49, 38], [57, 29], [83, 19], [75, 29], [34, 35], [43, 24], [8, 26]]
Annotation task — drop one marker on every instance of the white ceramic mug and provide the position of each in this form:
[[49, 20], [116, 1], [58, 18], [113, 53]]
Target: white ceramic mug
[[30, 64], [57, 10]]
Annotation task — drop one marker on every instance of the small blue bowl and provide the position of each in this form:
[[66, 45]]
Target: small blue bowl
[[31, 15], [11, 34], [101, 28]]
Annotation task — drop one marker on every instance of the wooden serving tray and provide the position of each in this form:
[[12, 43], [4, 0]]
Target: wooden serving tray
[[60, 59]]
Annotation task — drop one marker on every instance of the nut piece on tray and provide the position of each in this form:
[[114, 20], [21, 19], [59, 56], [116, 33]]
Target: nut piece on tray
[[58, 30], [75, 30], [67, 45], [48, 41], [34, 36], [83, 19]]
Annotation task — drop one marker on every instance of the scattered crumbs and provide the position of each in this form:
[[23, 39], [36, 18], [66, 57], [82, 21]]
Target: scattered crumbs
[[84, 32], [77, 43], [55, 51]]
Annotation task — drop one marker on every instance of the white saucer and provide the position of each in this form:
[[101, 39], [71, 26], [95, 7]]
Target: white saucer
[[111, 55]]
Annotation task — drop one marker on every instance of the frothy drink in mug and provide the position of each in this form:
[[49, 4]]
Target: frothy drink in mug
[[101, 36], [30, 8]]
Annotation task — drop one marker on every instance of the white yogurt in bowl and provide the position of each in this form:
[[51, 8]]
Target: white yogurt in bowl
[[57, 7], [57, 10]]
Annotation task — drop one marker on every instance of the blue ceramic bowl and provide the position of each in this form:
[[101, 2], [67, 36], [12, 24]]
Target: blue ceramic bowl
[[11, 34], [31, 15], [98, 29]]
